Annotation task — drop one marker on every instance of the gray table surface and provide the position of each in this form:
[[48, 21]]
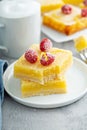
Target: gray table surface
[[19, 117]]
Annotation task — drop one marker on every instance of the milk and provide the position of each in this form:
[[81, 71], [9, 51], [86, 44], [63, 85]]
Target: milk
[[18, 9], [20, 26]]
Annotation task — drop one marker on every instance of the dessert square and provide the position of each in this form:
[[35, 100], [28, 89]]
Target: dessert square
[[29, 88], [65, 23], [80, 43], [41, 74], [47, 5]]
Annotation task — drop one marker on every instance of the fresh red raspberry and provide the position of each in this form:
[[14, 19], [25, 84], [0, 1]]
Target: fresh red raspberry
[[45, 45], [66, 9], [84, 12], [85, 2], [31, 56], [47, 59]]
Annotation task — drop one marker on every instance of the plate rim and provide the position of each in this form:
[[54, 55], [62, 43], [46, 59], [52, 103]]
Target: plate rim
[[35, 105]]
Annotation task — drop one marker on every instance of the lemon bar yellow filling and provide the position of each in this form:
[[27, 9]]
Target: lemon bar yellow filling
[[74, 2], [39, 73], [47, 5], [29, 88], [83, 4], [81, 43]]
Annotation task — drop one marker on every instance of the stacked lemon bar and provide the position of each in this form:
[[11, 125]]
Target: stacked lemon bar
[[41, 69]]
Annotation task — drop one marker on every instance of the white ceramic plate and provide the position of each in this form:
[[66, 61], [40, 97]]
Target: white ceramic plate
[[76, 84], [60, 37]]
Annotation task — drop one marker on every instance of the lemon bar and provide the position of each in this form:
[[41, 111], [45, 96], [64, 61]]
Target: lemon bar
[[47, 5], [37, 72], [29, 88], [67, 24], [81, 43]]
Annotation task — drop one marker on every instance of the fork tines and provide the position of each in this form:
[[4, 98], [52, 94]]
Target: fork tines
[[83, 55]]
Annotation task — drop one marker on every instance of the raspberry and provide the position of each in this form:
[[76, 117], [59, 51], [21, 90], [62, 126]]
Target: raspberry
[[85, 2], [31, 56], [47, 59], [84, 12], [45, 45], [66, 9]]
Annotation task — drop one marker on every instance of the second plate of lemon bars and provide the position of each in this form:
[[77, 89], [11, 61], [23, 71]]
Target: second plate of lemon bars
[[46, 77], [65, 22]]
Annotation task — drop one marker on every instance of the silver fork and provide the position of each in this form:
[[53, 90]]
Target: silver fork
[[83, 55]]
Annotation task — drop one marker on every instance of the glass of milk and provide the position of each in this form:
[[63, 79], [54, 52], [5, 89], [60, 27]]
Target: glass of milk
[[20, 26]]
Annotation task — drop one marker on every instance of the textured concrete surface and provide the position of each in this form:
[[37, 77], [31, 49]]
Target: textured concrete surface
[[19, 117]]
